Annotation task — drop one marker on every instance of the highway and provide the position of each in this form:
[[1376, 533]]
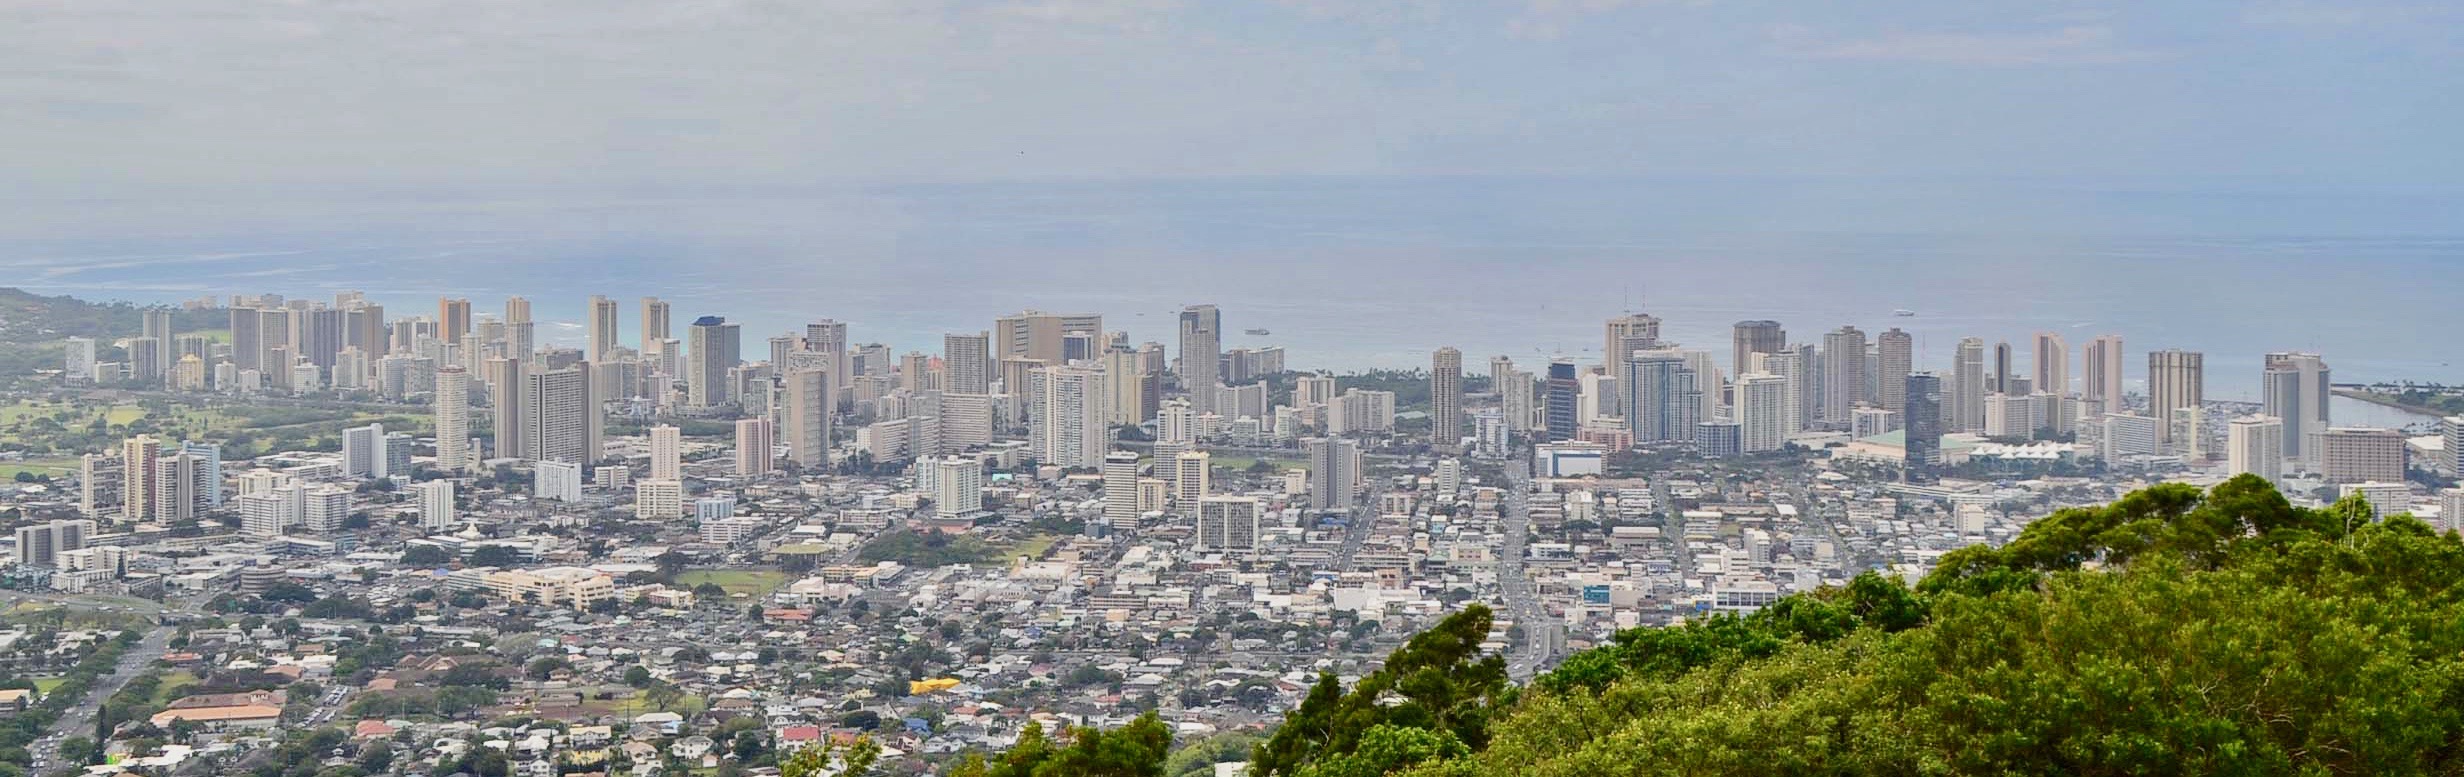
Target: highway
[[1544, 638]]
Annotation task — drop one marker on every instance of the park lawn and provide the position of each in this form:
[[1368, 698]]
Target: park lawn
[[175, 684], [1242, 463], [53, 466], [739, 583], [43, 685], [1033, 547], [639, 703]]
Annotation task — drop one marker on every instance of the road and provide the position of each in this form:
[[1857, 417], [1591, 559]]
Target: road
[[1544, 637], [79, 720]]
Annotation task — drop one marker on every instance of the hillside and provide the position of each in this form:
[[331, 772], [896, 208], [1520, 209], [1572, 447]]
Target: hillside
[[32, 326], [2172, 632]]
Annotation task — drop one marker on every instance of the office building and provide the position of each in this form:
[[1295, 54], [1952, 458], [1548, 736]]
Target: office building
[[452, 410], [1559, 419], [1662, 400], [1228, 523], [713, 349], [1201, 354], [2295, 388], [2255, 445], [1446, 397], [1334, 473], [2353, 454]]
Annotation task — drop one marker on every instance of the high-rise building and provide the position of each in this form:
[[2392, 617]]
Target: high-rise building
[[145, 356], [324, 507], [560, 416], [1624, 335], [1923, 425], [2255, 445], [753, 447], [599, 328], [1843, 374], [1761, 411], [504, 380], [2176, 380], [1191, 476], [1968, 387], [666, 452], [157, 324], [2101, 374], [967, 360], [1039, 336], [958, 486], [2296, 388], [1334, 472], [453, 319], [2452, 428], [1067, 424], [810, 403], [558, 480], [363, 452], [79, 364], [654, 322], [39, 545], [829, 337], [436, 507], [1446, 397], [1753, 337], [1228, 523], [1897, 358], [2354, 454], [1121, 490], [452, 408], [1201, 355], [1559, 418], [715, 347], [2003, 369], [1662, 401], [2052, 374], [1789, 366], [658, 500]]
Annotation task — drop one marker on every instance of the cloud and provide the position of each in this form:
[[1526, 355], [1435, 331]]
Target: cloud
[[2072, 45]]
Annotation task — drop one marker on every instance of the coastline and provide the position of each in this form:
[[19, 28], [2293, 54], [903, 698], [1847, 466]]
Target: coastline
[[2383, 400]]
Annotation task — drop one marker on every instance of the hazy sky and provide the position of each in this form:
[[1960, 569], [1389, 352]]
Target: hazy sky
[[109, 93]]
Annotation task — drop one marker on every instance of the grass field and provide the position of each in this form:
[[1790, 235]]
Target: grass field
[[53, 466], [739, 583], [43, 685], [1033, 547], [1238, 463], [175, 684]]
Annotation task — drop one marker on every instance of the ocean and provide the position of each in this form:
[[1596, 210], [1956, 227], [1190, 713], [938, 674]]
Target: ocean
[[1350, 273]]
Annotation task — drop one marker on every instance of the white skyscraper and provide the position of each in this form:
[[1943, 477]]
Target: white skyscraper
[[2176, 380], [436, 508], [805, 421], [666, 453], [2255, 445], [1789, 367], [958, 486], [1191, 476], [452, 405], [1761, 412], [558, 480], [363, 451], [1068, 418], [658, 500]]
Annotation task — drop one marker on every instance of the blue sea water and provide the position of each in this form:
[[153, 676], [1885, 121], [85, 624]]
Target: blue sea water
[[1352, 272]]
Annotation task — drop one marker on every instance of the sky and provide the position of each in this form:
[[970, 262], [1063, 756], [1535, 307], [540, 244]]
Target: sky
[[124, 97]]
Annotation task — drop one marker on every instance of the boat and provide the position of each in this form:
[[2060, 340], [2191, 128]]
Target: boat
[[1903, 313], [1256, 332]]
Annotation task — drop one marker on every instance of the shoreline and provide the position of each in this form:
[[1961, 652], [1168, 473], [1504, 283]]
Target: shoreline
[[2383, 400]]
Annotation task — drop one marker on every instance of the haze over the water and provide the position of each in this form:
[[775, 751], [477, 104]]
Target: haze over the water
[[1366, 179]]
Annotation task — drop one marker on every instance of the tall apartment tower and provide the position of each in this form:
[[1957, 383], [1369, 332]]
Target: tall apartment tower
[[452, 405], [157, 325], [805, 421], [2255, 445], [1843, 373], [1563, 391], [1068, 419], [453, 319], [1201, 355], [829, 337], [2296, 388], [1923, 427], [1753, 337], [967, 361], [1120, 473], [1968, 387], [599, 328], [1761, 412], [1998, 378], [1333, 472], [1446, 397], [753, 447], [504, 380], [2101, 374], [2176, 379], [1896, 356], [666, 452], [715, 347], [654, 321], [560, 416], [1624, 335], [2052, 365]]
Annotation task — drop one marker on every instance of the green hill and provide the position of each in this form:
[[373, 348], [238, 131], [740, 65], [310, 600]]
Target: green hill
[[32, 326], [2172, 632]]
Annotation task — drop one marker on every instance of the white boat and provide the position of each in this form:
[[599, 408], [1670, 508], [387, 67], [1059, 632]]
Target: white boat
[[1903, 313]]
